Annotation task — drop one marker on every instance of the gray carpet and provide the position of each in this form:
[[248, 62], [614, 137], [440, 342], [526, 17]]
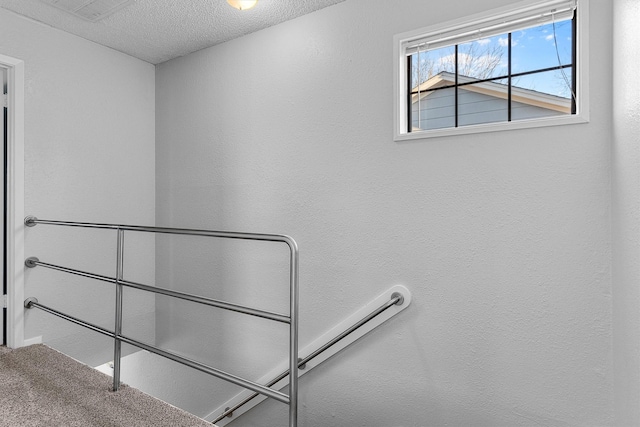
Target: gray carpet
[[42, 387]]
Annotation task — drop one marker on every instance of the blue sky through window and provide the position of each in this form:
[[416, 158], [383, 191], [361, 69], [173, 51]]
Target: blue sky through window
[[534, 48]]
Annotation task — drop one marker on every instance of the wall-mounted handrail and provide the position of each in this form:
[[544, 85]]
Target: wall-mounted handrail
[[397, 298], [367, 318], [292, 319]]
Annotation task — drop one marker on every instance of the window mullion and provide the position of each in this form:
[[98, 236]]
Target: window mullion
[[410, 92], [574, 61], [509, 78], [456, 87], [500, 77]]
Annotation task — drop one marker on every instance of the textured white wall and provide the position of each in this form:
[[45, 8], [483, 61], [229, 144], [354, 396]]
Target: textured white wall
[[503, 238], [626, 212], [89, 154]]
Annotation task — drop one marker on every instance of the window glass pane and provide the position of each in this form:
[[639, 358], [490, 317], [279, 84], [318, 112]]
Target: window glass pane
[[415, 77], [429, 64], [484, 58], [556, 83], [433, 109], [542, 95], [482, 103], [541, 47]]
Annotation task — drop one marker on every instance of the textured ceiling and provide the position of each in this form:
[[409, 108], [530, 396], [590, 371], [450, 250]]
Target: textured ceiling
[[158, 30]]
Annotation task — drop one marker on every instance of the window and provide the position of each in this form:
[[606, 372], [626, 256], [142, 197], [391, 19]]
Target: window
[[511, 68]]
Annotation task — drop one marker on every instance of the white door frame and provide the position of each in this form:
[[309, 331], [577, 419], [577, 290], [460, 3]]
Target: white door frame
[[3, 104], [15, 201]]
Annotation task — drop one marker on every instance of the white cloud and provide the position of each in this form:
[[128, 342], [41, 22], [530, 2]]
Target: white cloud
[[483, 41], [549, 37], [503, 42], [445, 62]]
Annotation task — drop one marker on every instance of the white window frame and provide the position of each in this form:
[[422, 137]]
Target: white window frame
[[401, 41]]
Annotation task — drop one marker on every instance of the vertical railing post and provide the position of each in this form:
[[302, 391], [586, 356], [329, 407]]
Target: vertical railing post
[[293, 336], [117, 344]]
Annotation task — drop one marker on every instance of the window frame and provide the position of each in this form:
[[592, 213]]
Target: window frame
[[401, 73]]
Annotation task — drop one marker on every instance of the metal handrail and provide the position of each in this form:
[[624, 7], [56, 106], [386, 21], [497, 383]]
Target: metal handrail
[[396, 299], [292, 319], [32, 221], [33, 262], [34, 303]]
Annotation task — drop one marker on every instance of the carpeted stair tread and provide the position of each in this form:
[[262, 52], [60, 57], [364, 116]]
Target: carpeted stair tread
[[40, 386]]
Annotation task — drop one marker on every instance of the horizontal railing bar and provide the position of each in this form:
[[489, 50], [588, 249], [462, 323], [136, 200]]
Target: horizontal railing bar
[[32, 221], [210, 302], [258, 388], [35, 262], [395, 299], [33, 302], [168, 292]]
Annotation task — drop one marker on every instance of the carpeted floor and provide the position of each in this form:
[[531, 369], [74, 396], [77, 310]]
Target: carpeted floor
[[41, 387]]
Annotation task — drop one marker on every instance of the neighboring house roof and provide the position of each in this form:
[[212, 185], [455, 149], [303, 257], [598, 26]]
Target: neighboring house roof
[[498, 90]]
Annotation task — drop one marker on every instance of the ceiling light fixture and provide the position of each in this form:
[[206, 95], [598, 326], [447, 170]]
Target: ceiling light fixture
[[242, 4]]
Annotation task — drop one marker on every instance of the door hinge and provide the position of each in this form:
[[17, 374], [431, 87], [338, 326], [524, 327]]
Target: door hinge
[[4, 301], [5, 101]]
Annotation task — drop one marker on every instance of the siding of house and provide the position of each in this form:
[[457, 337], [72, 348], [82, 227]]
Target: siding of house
[[437, 109]]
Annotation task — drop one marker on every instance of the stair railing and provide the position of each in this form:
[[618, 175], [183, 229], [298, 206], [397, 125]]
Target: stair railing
[[292, 318]]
